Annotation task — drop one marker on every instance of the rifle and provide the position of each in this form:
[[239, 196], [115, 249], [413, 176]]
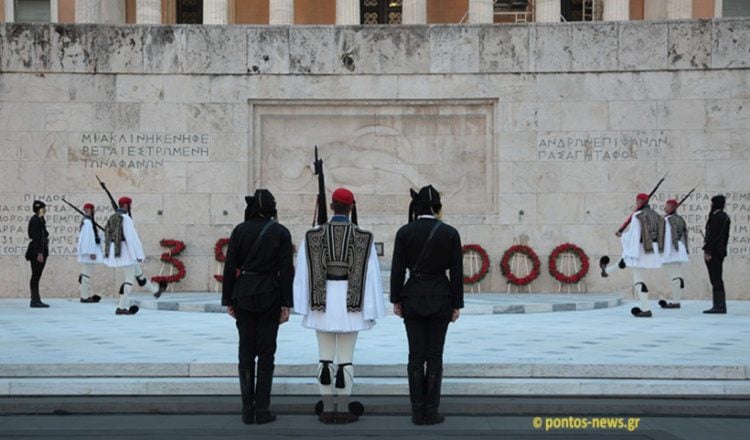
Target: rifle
[[320, 204], [683, 199], [82, 213], [104, 187], [630, 217]]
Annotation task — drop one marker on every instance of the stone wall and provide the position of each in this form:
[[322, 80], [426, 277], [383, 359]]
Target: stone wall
[[536, 134]]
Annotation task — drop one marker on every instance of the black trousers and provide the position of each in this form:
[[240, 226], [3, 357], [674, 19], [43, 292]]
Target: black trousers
[[426, 335], [36, 274], [257, 331], [715, 269]]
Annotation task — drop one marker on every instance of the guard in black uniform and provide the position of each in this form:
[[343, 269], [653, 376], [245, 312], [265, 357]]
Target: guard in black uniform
[[429, 300], [257, 290], [715, 250], [38, 250]]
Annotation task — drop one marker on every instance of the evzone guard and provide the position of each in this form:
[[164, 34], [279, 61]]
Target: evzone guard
[[675, 251], [642, 246], [123, 249], [89, 252], [337, 289]]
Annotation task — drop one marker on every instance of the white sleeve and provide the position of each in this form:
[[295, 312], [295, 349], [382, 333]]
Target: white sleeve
[[667, 240], [131, 237], [83, 240], [374, 304], [301, 287], [631, 238]]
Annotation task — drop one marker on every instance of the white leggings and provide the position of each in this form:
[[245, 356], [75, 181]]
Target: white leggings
[[676, 275], [339, 348], [86, 270], [638, 286], [637, 282], [129, 274]]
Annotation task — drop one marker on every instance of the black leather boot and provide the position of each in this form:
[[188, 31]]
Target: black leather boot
[[247, 388], [720, 304], [417, 395], [263, 397], [36, 300], [432, 399]]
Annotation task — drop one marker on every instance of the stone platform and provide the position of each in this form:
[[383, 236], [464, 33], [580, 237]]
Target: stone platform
[[85, 349], [475, 304]]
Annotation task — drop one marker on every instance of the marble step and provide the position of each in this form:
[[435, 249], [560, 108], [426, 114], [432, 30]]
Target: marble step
[[502, 371], [384, 386]]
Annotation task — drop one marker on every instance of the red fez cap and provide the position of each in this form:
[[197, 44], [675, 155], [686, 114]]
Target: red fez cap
[[88, 206], [672, 202], [125, 201], [642, 197], [343, 195]]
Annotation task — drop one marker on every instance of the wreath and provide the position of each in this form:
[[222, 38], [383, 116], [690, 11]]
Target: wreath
[[176, 246], [220, 256], [479, 276], [508, 273], [568, 248]]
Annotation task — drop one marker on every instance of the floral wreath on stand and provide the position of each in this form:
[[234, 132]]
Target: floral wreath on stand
[[569, 248], [508, 272], [482, 273], [176, 246], [220, 256]]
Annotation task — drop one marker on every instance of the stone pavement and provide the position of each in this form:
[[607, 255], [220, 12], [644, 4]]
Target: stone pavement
[[84, 349]]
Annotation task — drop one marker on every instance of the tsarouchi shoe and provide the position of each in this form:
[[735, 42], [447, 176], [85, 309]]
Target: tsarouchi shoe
[[668, 305]]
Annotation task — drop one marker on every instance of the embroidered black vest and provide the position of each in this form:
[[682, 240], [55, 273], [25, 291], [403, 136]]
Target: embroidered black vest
[[679, 230], [337, 251]]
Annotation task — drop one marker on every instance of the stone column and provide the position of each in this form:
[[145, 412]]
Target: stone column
[[679, 9], [718, 8], [548, 11], [654, 10], [281, 12], [616, 10], [347, 12], [112, 12], [482, 11], [215, 11], [414, 12], [148, 11], [54, 11], [88, 11], [9, 11]]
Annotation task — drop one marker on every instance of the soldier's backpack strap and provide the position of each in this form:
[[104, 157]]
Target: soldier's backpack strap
[[256, 245], [426, 246]]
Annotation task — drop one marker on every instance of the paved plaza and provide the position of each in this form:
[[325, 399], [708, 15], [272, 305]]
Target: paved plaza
[[75, 348]]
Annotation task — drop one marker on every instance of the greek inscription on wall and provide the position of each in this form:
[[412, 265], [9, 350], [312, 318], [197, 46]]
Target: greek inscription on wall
[[598, 147], [138, 150], [695, 211], [62, 224]]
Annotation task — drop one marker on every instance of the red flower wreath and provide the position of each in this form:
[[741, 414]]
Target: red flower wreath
[[479, 276], [176, 246], [220, 255], [572, 249], [508, 273]]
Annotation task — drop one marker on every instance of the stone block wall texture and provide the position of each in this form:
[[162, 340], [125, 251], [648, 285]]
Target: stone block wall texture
[[537, 134]]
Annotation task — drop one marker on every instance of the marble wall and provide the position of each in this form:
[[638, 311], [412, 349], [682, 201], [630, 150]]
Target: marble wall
[[538, 134]]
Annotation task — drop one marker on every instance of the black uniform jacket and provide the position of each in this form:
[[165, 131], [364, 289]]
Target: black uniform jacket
[[39, 237], [717, 234], [262, 280], [429, 280]]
